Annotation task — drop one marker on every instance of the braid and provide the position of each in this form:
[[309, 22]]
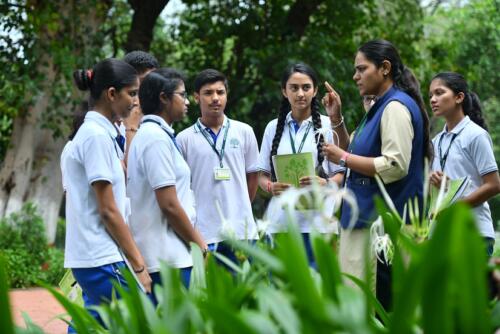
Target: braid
[[316, 117], [284, 109]]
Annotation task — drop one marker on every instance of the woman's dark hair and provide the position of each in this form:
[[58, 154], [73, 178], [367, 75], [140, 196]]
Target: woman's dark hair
[[471, 104], [141, 61], [78, 118], [379, 50], [285, 109], [105, 74], [162, 80], [208, 76]]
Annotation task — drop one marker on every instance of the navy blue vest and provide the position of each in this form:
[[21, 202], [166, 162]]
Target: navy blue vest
[[367, 143]]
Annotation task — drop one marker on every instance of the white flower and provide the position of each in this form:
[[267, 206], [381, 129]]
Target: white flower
[[381, 243]]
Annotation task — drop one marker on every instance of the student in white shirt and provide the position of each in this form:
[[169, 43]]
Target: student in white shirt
[[464, 147], [222, 154], [159, 180], [295, 131], [95, 186]]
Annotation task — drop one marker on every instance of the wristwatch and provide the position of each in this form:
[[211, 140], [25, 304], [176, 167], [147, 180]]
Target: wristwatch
[[343, 159]]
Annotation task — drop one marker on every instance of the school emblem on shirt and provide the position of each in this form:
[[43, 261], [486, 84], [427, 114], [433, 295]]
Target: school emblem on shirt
[[234, 143]]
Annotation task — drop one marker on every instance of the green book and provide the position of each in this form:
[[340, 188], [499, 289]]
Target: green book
[[289, 168], [70, 288], [454, 190]]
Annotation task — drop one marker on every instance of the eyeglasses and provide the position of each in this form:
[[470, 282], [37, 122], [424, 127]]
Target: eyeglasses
[[184, 95]]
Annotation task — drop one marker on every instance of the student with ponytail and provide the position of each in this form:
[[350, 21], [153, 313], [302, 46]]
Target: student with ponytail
[[295, 131], [391, 141], [464, 147], [95, 186]]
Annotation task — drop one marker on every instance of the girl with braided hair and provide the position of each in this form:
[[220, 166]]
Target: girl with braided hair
[[464, 147], [391, 141], [294, 132]]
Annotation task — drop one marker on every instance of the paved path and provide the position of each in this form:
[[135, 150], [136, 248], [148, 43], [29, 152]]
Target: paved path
[[42, 308]]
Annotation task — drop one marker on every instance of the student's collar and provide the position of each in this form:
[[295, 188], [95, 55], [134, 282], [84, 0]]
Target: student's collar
[[100, 119], [164, 125], [204, 127], [289, 119], [459, 127]]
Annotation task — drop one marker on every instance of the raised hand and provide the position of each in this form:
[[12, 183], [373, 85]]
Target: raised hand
[[332, 103]]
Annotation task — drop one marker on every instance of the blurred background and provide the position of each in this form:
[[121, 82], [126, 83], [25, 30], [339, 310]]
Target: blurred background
[[42, 42]]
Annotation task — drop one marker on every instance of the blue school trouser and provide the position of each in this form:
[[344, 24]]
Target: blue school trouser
[[155, 277], [96, 285]]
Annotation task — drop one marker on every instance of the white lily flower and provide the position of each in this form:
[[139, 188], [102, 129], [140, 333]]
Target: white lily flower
[[227, 229], [380, 241]]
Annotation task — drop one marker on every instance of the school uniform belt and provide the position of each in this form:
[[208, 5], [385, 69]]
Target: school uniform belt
[[362, 181]]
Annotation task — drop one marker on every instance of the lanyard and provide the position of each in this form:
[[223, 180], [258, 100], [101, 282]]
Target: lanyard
[[168, 133], [443, 158], [292, 142], [220, 154], [358, 132]]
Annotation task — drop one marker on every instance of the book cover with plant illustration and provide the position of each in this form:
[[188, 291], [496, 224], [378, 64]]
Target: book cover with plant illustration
[[289, 168]]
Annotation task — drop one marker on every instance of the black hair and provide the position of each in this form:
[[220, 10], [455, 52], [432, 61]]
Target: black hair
[[379, 50], [471, 104], [105, 74], [162, 80], [285, 109], [208, 76], [141, 61], [78, 118]]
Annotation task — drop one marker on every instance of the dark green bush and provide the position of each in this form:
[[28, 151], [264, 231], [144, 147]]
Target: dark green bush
[[24, 246]]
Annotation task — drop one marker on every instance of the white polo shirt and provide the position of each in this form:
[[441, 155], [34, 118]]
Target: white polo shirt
[[240, 156], [154, 162], [470, 154], [307, 220], [63, 160], [92, 156]]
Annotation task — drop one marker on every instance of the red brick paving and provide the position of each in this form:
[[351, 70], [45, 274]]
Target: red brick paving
[[41, 307]]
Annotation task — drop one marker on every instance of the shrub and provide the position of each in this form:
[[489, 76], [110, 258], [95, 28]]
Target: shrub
[[24, 245]]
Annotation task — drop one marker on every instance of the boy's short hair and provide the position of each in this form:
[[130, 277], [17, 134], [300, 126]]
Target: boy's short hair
[[141, 61], [208, 76]]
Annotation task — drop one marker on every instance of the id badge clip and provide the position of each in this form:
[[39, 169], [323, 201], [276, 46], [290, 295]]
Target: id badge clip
[[222, 173]]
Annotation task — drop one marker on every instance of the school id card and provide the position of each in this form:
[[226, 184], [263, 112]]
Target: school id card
[[222, 173]]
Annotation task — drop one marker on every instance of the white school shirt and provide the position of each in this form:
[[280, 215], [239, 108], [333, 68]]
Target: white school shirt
[[92, 156], [307, 220], [471, 154], [63, 161], [154, 162], [240, 156]]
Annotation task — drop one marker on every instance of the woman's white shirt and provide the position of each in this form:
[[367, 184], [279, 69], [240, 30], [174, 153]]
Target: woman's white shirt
[[307, 220], [470, 154], [155, 162], [93, 155]]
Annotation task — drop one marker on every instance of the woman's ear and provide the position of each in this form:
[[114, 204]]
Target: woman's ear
[[459, 98], [111, 94], [386, 68], [283, 91], [164, 99]]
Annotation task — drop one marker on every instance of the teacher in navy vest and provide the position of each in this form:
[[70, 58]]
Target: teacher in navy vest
[[391, 141]]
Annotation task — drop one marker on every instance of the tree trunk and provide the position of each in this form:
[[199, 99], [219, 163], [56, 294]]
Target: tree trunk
[[30, 171], [146, 13]]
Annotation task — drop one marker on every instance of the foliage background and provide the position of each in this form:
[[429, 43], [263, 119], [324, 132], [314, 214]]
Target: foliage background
[[252, 41]]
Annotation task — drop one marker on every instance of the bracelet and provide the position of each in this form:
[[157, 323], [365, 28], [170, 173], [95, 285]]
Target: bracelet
[[131, 129], [334, 126], [268, 188], [139, 270]]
